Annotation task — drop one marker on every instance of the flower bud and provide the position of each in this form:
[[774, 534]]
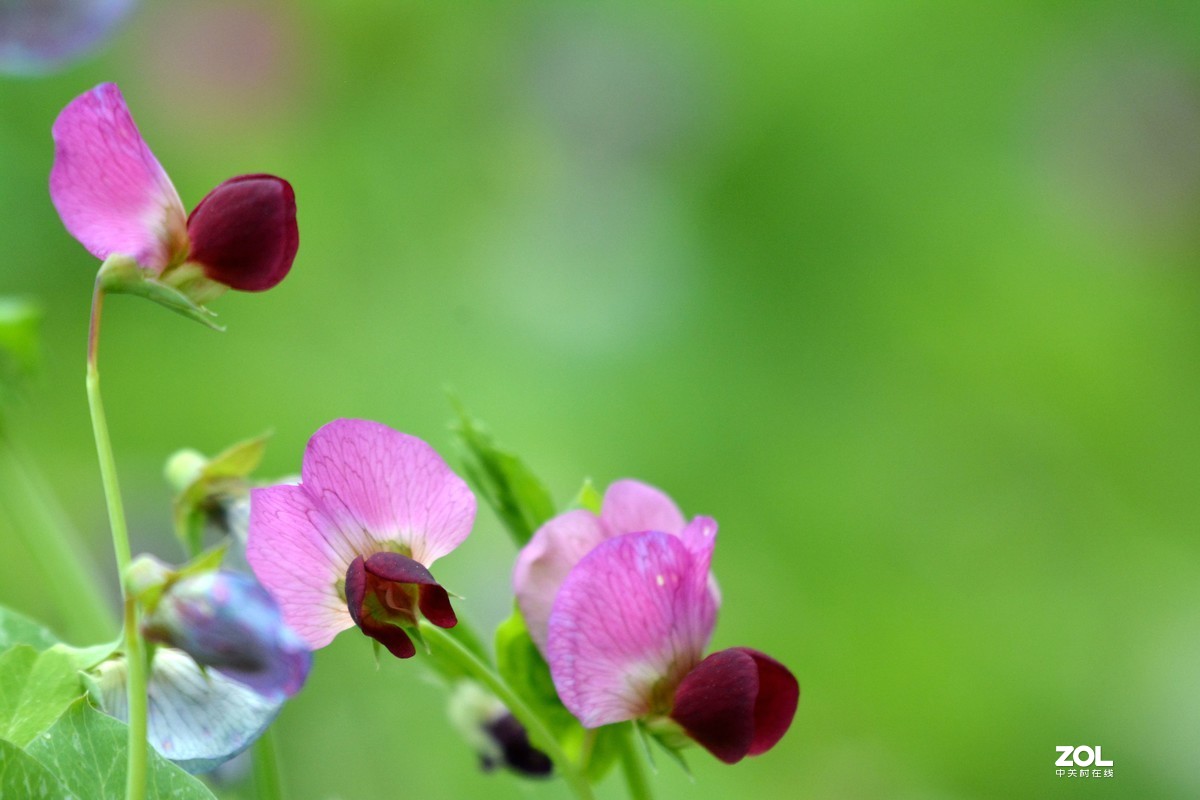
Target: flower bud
[[494, 733]]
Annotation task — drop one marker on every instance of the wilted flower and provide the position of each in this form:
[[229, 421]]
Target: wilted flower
[[226, 621], [543, 564], [626, 640], [39, 36], [115, 198], [352, 543]]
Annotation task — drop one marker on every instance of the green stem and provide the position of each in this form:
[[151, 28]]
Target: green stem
[[135, 652], [54, 543], [632, 766], [267, 783], [539, 734]]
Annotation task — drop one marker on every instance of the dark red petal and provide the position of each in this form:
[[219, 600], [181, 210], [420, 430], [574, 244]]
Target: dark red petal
[[398, 568], [737, 703], [356, 589], [391, 637], [244, 232], [435, 605], [778, 696], [715, 704]]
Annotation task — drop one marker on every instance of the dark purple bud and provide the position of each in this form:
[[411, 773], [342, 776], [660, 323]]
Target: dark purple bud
[[516, 752], [737, 703], [244, 232], [385, 591]]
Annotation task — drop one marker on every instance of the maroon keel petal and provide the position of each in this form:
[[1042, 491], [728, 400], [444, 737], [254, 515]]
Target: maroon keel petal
[[356, 589], [778, 696], [244, 232], [391, 637], [435, 605], [399, 568], [715, 704], [736, 702]]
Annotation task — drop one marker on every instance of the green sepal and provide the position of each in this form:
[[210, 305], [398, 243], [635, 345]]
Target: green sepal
[[223, 474], [122, 275], [667, 736], [517, 496], [589, 499], [148, 577]]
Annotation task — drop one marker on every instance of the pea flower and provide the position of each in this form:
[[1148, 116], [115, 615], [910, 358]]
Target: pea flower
[[226, 621], [352, 543], [626, 640], [543, 564], [198, 719], [114, 197]]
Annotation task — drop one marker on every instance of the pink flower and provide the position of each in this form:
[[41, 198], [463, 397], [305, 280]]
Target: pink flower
[[543, 564], [626, 640], [352, 543], [115, 198]]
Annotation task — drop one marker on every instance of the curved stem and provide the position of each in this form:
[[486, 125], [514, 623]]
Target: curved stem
[[632, 766], [135, 651], [539, 733]]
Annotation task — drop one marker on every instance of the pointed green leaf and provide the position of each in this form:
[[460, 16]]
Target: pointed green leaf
[[519, 498], [35, 688], [86, 750], [23, 776], [17, 628]]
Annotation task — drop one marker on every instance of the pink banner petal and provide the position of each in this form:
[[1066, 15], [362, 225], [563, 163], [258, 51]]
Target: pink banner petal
[[632, 507], [109, 189], [377, 485], [296, 562], [631, 619], [543, 564]]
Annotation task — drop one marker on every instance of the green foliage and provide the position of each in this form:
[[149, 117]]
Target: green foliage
[[70, 749], [23, 776], [519, 498], [86, 750]]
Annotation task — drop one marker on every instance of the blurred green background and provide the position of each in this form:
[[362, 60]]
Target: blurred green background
[[904, 295]]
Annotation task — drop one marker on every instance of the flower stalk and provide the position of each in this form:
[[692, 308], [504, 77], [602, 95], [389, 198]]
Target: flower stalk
[[632, 766], [135, 650], [541, 736]]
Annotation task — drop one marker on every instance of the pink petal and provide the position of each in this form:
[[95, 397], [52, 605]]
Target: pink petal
[[632, 506], [244, 232], [378, 486], [632, 618], [111, 192], [737, 702], [297, 562], [543, 564]]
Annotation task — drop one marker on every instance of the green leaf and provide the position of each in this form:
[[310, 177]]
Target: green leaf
[[519, 498], [17, 628], [23, 776], [86, 750], [35, 688]]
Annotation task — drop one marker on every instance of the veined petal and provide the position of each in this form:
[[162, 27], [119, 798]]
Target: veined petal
[[632, 618], [380, 486], [197, 720], [109, 189], [244, 232], [632, 507], [737, 702], [297, 559], [543, 565]]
